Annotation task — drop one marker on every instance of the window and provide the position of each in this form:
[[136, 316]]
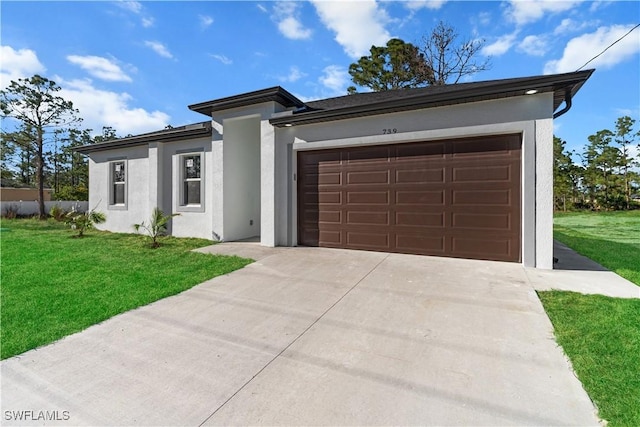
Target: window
[[191, 179], [118, 183]]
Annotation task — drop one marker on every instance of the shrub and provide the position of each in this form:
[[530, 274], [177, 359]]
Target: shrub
[[156, 227], [82, 221], [57, 213], [11, 210]]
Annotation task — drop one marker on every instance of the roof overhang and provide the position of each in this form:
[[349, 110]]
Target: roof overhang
[[560, 84], [168, 135], [273, 94]]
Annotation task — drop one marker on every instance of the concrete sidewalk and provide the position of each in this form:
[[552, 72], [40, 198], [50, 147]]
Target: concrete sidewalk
[[311, 336], [577, 273]]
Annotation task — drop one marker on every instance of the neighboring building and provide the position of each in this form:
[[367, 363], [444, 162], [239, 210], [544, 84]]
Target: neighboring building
[[12, 194], [461, 170]]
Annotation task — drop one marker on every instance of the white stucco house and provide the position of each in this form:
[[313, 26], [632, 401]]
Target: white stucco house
[[461, 170]]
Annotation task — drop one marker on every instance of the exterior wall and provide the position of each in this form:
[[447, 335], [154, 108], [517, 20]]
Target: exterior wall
[[241, 178], [230, 149], [152, 181], [544, 193], [528, 115], [137, 188], [189, 222]]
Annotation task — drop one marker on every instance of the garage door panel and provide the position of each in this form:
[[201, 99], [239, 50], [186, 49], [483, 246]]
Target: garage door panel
[[328, 217], [368, 240], [420, 198], [457, 198], [482, 174], [493, 249], [368, 197], [378, 154], [329, 237], [496, 147], [481, 221], [420, 244], [316, 158], [420, 176], [367, 218], [482, 197], [420, 153], [368, 177], [420, 219]]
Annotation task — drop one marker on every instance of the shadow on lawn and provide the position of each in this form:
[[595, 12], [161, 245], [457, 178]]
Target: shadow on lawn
[[593, 254]]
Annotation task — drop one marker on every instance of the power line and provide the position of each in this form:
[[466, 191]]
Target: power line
[[638, 25]]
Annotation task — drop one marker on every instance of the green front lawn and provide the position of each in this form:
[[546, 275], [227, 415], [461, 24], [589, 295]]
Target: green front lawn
[[54, 285], [601, 335], [609, 238]]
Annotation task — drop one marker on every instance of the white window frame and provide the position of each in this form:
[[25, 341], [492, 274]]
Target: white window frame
[[181, 179], [112, 183]]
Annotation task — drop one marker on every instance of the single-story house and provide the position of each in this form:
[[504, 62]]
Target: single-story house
[[460, 170]]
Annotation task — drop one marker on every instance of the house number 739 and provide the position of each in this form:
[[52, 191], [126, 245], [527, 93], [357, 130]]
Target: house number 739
[[389, 131]]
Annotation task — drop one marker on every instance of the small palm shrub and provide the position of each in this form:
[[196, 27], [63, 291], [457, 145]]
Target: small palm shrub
[[156, 227], [83, 221], [57, 213]]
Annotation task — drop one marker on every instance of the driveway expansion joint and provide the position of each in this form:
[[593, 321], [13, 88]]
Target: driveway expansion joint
[[294, 340]]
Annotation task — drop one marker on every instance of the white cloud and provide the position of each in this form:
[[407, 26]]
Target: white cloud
[[222, 58], [294, 75], [262, 8], [336, 79], [500, 46], [357, 24], [581, 49], [100, 108], [159, 48], [100, 67], [135, 7], [524, 12], [205, 20], [534, 45], [425, 4], [291, 28], [18, 64], [568, 25], [131, 6], [286, 15]]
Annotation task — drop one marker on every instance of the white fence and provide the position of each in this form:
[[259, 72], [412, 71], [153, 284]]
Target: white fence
[[30, 207]]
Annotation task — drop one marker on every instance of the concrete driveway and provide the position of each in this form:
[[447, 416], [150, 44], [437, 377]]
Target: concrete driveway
[[310, 336]]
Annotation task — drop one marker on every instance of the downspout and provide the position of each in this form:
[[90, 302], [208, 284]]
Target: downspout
[[567, 103]]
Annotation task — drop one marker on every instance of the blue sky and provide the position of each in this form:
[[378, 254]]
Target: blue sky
[[136, 66]]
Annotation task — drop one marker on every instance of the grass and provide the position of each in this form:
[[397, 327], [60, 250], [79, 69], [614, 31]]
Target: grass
[[601, 336], [609, 238], [54, 285]]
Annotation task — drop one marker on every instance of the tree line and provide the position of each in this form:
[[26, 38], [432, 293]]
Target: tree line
[[39, 150], [37, 147], [607, 176]]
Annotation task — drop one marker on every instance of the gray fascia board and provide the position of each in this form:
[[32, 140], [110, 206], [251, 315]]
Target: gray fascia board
[[144, 139], [551, 83], [274, 94]]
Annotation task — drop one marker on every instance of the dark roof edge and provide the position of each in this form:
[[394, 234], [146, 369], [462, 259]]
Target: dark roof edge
[[275, 94], [168, 135], [555, 82]]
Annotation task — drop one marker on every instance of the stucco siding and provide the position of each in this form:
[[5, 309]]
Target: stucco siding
[[190, 222], [137, 209]]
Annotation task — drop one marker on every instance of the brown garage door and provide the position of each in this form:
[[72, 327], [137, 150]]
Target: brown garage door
[[456, 198]]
